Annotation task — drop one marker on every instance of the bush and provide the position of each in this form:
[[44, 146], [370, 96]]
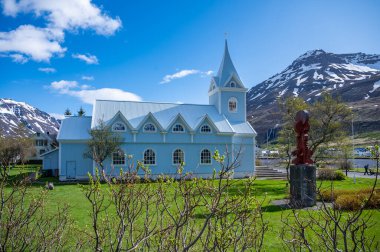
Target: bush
[[330, 174], [351, 199]]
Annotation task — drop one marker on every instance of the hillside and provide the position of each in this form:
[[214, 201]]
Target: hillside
[[13, 113], [354, 77]]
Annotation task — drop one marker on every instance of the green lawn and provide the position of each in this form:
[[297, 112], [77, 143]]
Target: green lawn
[[269, 190]]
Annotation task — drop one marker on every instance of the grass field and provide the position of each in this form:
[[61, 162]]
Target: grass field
[[269, 190]]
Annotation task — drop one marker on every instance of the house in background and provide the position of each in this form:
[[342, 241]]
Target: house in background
[[163, 135], [50, 164], [43, 142]]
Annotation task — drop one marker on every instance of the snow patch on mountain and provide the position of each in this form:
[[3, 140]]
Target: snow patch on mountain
[[376, 85], [14, 113]]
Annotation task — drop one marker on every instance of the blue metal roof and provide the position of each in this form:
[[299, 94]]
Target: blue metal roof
[[226, 70], [75, 128], [165, 114]]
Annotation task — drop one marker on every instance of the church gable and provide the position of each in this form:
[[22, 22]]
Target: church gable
[[176, 124], [150, 124], [233, 82], [119, 123], [204, 124]]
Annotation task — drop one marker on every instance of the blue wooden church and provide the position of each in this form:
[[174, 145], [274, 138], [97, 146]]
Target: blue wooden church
[[163, 135]]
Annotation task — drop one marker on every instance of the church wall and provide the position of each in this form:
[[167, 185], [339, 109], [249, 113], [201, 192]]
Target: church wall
[[71, 155], [164, 164], [246, 146], [239, 116]]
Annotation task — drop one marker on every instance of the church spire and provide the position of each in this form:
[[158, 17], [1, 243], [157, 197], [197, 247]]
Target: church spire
[[226, 69]]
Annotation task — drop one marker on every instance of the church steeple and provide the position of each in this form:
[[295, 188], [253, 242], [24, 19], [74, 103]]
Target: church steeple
[[227, 71], [227, 92]]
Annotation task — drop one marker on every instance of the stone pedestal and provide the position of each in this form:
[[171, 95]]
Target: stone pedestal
[[302, 185]]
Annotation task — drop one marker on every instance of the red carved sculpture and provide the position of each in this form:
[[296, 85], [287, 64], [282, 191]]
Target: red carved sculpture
[[303, 153]]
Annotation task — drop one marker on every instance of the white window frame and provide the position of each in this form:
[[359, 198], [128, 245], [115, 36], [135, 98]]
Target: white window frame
[[122, 154], [149, 131], [183, 128], [154, 155], [232, 99], [183, 153], [115, 130], [204, 132], [200, 156]]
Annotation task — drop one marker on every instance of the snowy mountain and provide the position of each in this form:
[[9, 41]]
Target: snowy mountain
[[354, 77], [13, 113]]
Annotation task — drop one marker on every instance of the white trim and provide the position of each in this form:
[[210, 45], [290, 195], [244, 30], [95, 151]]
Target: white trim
[[200, 157], [155, 157], [59, 160], [155, 128], [172, 157]]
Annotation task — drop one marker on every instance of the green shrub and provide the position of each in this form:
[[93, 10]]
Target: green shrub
[[330, 174], [348, 202], [351, 199], [339, 175]]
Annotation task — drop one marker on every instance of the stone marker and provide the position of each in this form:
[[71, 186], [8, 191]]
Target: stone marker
[[302, 172]]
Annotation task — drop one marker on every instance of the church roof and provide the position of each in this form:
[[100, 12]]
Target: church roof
[[165, 114], [226, 69], [75, 128]]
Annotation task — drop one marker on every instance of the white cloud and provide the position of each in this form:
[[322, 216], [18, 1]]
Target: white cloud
[[63, 86], [178, 75], [86, 95], [28, 41], [89, 96], [85, 86], [18, 58], [88, 78], [65, 15], [57, 116], [47, 69], [88, 58], [183, 73], [40, 44]]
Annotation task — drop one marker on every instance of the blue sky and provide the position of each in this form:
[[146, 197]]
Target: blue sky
[[61, 54]]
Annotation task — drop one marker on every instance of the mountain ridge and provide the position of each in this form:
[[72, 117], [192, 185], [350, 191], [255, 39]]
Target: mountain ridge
[[355, 77], [14, 113]]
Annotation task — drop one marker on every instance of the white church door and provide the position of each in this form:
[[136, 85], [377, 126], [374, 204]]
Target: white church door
[[71, 169]]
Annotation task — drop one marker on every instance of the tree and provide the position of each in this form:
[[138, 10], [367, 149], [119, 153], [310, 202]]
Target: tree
[[25, 223], [67, 112], [15, 148], [81, 112], [328, 119], [102, 144]]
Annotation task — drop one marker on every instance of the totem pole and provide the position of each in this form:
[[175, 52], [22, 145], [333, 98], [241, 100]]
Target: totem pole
[[302, 172]]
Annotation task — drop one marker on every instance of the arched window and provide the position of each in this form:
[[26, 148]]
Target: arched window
[[118, 158], [178, 156], [118, 126], [149, 157], [205, 157], [232, 105], [232, 84], [205, 129], [149, 127], [178, 128]]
